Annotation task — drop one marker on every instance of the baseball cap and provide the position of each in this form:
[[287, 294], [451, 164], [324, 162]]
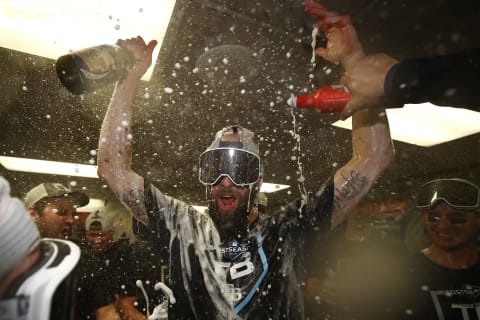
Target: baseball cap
[[238, 160], [20, 235], [105, 217], [49, 190], [246, 142]]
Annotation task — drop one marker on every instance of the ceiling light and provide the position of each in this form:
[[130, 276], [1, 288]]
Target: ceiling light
[[52, 28], [49, 167], [272, 187], [426, 124]]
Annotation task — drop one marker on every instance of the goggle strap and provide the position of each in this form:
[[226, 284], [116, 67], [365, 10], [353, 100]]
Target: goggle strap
[[436, 200]]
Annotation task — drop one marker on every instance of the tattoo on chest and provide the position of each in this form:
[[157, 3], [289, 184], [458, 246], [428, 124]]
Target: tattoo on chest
[[351, 187]]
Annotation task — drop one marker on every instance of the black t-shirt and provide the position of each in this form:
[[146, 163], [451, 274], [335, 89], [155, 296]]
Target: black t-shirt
[[392, 284], [256, 277], [436, 292]]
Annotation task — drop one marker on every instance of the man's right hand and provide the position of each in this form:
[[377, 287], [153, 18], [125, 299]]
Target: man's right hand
[[142, 53], [365, 80]]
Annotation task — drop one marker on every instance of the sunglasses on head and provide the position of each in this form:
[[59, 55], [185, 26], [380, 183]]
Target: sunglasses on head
[[457, 193]]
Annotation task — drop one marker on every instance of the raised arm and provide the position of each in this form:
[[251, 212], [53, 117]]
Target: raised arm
[[377, 80], [372, 153], [115, 142], [372, 146]]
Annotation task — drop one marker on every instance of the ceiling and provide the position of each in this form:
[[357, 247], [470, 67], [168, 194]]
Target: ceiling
[[41, 119]]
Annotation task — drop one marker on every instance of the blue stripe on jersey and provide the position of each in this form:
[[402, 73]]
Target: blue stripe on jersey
[[249, 296]]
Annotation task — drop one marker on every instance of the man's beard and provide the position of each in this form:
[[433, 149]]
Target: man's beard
[[231, 224]]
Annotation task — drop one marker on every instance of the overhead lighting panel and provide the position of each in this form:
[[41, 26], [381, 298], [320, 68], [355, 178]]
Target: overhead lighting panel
[[427, 125], [272, 187], [49, 167], [52, 28]]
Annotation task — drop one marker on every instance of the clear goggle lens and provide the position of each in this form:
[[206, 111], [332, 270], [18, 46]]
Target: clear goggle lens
[[242, 167], [457, 193]]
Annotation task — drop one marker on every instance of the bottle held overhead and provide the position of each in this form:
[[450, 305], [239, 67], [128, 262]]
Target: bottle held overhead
[[89, 69], [331, 98]]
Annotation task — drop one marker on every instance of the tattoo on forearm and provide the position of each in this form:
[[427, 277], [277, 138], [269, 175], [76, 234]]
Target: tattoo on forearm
[[135, 201], [352, 187]]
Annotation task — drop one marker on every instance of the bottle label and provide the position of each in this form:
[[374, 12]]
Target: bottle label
[[94, 76], [88, 69], [99, 60]]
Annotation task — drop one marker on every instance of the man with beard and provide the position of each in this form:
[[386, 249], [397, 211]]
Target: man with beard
[[231, 262], [53, 207]]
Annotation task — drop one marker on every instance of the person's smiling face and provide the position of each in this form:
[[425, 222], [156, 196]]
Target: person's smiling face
[[449, 228]]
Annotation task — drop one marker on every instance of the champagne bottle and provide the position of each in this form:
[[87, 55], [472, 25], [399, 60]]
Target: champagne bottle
[[326, 99], [89, 69]]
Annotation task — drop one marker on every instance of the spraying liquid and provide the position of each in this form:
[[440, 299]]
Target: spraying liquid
[[301, 178], [166, 291], [314, 45], [139, 284], [160, 312], [292, 102]]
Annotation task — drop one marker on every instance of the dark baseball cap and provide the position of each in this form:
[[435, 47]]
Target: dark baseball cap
[[51, 190]]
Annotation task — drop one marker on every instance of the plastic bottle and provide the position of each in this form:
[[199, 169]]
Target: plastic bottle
[[89, 69], [326, 99]]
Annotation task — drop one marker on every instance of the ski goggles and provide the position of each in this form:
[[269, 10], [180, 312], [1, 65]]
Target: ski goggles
[[457, 193], [241, 166]]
